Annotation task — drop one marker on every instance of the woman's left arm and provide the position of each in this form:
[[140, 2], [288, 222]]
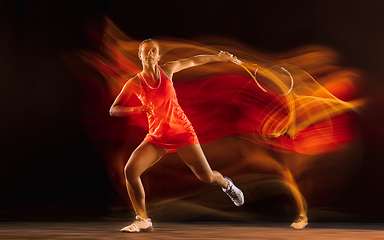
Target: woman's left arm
[[176, 66]]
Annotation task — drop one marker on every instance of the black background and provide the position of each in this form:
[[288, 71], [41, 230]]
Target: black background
[[45, 157]]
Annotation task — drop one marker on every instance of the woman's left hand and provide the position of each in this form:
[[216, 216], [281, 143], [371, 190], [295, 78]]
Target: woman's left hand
[[226, 56]]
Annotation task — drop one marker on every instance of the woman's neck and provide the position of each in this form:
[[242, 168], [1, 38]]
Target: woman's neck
[[151, 71]]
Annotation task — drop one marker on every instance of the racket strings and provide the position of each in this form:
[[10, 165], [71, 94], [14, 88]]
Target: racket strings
[[275, 79], [249, 72]]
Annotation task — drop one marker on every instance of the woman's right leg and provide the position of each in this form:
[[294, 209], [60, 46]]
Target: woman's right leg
[[145, 155]]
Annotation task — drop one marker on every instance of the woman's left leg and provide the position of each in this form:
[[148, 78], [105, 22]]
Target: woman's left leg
[[194, 157]]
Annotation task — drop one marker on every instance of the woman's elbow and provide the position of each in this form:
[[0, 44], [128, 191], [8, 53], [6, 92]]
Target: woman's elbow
[[112, 112]]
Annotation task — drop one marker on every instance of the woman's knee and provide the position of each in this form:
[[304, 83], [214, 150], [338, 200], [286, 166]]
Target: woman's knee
[[131, 172], [206, 178], [132, 167]]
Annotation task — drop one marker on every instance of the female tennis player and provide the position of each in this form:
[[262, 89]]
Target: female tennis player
[[169, 128]]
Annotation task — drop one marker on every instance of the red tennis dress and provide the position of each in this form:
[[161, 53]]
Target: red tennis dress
[[169, 127]]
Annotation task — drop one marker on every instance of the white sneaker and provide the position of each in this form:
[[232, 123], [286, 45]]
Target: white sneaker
[[234, 193], [139, 225], [300, 222]]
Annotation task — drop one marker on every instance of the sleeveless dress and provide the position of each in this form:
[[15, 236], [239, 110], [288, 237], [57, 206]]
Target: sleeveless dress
[[169, 127]]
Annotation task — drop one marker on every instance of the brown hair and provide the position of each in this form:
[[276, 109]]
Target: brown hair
[[149, 40]]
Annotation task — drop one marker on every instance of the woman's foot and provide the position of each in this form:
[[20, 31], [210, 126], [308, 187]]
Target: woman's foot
[[300, 222], [139, 225], [234, 193]]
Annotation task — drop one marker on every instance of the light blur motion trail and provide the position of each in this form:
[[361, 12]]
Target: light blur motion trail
[[321, 147], [263, 140]]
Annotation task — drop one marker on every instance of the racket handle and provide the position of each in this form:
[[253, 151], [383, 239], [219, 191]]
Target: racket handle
[[237, 61]]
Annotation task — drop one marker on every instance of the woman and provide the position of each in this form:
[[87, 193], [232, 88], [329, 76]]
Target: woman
[[169, 128]]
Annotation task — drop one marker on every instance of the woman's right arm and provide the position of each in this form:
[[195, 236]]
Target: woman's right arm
[[118, 108]]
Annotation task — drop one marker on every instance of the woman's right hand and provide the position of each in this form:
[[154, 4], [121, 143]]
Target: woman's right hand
[[147, 108]]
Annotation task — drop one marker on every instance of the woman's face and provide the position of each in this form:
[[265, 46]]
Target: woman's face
[[149, 53]]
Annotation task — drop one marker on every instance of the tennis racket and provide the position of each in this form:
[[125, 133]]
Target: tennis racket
[[273, 79]]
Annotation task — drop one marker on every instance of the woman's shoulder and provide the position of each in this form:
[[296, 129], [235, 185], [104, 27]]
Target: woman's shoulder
[[133, 83], [167, 72], [135, 80]]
